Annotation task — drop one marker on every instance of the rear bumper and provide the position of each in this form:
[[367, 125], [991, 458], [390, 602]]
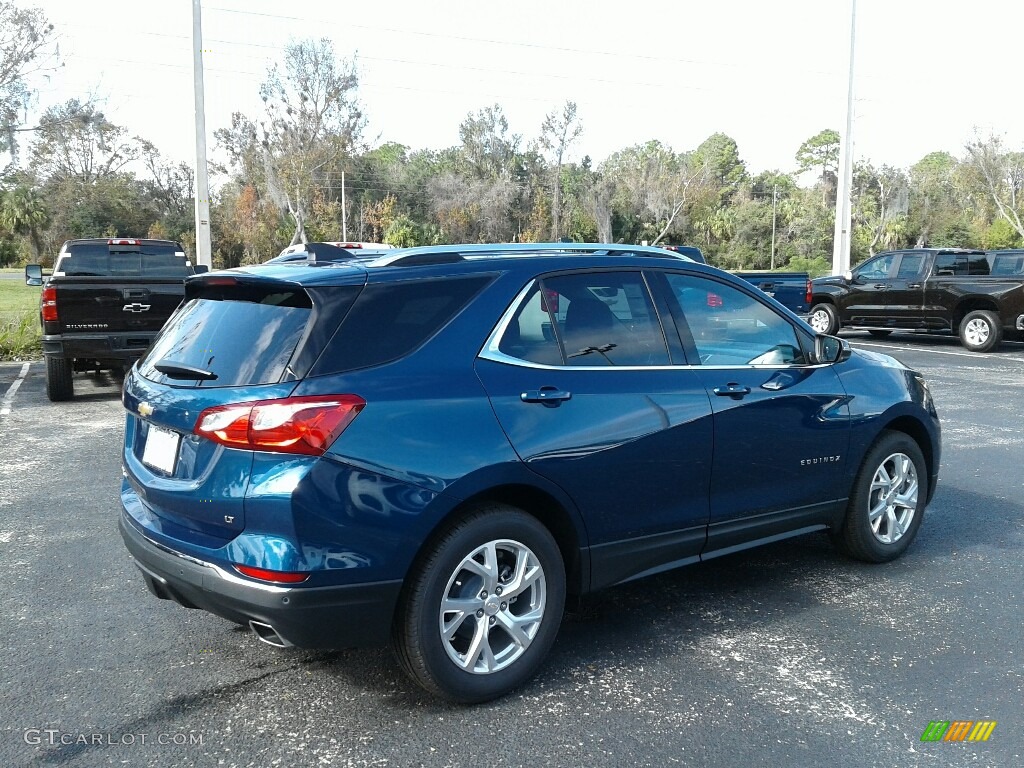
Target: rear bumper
[[313, 617], [106, 346]]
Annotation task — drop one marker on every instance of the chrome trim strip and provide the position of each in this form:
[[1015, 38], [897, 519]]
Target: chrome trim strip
[[229, 577]]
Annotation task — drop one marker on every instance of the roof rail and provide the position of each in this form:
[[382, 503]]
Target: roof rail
[[447, 254]]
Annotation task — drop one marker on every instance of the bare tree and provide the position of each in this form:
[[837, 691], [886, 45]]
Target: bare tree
[[1002, 174], [313, 119], [25, 35], [557, 133]]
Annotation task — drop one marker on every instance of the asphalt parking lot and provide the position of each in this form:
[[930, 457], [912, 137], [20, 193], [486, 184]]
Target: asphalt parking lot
[[785, 656]]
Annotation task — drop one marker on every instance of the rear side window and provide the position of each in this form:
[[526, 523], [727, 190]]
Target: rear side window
[[102, 260], [961, 264], [587, 319], [390, 320], [245, 339]]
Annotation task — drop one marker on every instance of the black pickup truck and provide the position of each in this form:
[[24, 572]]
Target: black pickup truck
[[104, 303], [791, 289], [978, 295]]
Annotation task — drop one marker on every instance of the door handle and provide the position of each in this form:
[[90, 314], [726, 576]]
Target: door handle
[[880, 285], [733, 390], [545, 395], [913, 285]]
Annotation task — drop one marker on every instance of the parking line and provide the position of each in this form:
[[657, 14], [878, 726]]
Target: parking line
[[5, 404], [935, 351]]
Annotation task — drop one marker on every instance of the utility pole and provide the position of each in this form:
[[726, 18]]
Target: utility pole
[[775, 198], [204, 249], [841, 243], [344, 215]]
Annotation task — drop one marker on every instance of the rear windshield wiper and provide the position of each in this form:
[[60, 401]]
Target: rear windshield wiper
[[179, 371]]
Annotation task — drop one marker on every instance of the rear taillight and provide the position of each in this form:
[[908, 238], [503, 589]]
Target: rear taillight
[[280, 577], [306, 425], [808, 292], [49, 304]]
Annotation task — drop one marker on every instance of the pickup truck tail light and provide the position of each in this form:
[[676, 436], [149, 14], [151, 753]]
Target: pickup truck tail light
[[808, 291], [49, 304], [304, 425]]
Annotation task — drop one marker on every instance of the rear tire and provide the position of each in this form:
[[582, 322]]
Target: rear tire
[[980, 330], [59, 385], [824, 319], [481, 610], [887, 503]]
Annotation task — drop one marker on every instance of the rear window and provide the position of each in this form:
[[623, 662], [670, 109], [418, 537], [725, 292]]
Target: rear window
[[245, 340], [102, 260], [390, 320]]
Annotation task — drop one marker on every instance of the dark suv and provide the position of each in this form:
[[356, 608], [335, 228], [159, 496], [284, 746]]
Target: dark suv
[[440, 445]]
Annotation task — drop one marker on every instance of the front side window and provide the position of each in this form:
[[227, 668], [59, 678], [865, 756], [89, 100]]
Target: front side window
[[877, 268], [587, 319], [730, 327]]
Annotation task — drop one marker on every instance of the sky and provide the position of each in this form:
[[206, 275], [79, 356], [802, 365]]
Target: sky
[[928, 74]]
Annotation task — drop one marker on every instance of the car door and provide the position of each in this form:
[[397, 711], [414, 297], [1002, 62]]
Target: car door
[[781, 423], [867, 299], [904, 305], [580, 377]]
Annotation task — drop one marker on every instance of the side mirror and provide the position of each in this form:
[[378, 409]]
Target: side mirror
[[848, 276], [831, 349], [200, 269], [33, 274]]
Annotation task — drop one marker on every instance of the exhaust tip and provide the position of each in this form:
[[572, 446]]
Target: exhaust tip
[[268, 634]]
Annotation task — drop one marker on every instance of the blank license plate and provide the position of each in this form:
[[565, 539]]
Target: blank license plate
[[161, 451]]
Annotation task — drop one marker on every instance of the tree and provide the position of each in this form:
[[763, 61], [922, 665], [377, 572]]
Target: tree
[[821, 151], [24, 213], [557, 133], [489, 149], [76, 141], [313, 121], [654, 180], [1002, 174], [24, 36], [933, 202], [880, 204]]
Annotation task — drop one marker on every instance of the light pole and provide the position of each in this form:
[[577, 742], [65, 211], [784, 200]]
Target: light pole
[[841, 241], [775, 199], [202, 191]]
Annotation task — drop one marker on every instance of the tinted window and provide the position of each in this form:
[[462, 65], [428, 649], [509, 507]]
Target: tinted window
[[730, 327], [977, 264], [949, 264], [390, 320], [245, 339], [102, 260], [1007, 265], [910, 266], [602, 318]]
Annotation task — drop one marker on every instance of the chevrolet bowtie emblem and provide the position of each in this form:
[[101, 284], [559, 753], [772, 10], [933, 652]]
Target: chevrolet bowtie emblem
[[136, 307]]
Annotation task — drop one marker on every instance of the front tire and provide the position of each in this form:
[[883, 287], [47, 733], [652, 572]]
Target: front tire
[[59, 385], [481, 610], [980, 330], [824, 319], [887, 503]]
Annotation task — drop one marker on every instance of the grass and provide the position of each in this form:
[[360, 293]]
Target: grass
[[19, 320]]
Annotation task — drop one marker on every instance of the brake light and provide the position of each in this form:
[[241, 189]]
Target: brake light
[[714, 300], [349, 246], [49, 304], [304, 425], [124, 241], [809, 292], [281, 577]]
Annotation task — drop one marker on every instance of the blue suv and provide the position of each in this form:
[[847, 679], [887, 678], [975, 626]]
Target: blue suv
[[436, 447]]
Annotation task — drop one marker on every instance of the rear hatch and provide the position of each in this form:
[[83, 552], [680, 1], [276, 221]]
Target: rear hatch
[[129, 286], [238, 338]]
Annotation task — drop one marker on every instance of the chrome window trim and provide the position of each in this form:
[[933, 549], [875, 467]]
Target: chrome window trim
[[491, 351]]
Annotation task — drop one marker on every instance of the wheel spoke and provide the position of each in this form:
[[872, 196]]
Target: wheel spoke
[[899, 473], [525, 575], [488, 569], [875, 514], [462, 609], [479, 648], [891, 525], [518, 626]]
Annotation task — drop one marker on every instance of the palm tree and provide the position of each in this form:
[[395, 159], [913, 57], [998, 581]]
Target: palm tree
[[23, 212]]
